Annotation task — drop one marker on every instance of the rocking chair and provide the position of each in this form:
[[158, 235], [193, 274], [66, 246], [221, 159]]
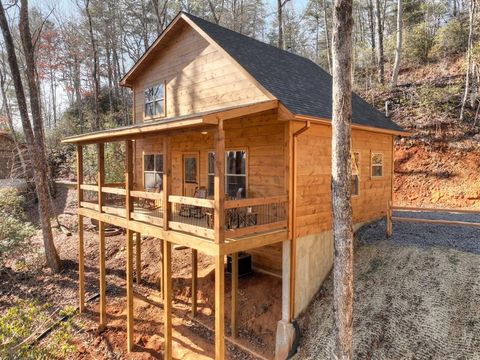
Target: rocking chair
[[192, 210]]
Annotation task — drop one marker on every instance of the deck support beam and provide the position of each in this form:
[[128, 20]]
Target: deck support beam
[[128, 211], [234, 323], [167, 190], [194, 281], [138, 257], [130, 325], [219, 185], [167, 293], [219, 307], [101, 235], [81, 241]]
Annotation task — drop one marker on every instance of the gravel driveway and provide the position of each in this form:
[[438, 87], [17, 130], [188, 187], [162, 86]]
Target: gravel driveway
[[416, 294]]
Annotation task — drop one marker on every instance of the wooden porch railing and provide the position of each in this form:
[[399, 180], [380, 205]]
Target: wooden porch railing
[[420, 210], [194, 215]]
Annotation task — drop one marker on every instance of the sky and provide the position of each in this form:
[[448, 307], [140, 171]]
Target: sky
[[69, 7]]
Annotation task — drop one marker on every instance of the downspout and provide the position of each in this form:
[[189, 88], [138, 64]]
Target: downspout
[[293, 249]]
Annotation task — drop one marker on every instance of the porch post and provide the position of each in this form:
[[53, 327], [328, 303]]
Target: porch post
[[194, 281], [167, 302], [81, 245], [167, 189], [128, 211], [219, 228], [101, 235], [234, 323], [138, 257]]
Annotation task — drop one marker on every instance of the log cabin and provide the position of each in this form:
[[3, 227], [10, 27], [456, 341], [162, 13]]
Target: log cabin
[[202, 90]]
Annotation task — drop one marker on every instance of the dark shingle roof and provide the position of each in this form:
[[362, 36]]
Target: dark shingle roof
[[300, 84]]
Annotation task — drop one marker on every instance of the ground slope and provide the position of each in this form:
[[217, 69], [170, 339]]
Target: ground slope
[[416, 296]]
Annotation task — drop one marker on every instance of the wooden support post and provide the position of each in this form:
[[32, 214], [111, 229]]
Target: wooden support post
[[167, 293], [167, 190], [101, 235], [81, 243], [138, 257], [219, 185], [129, 290], [103, 284], [389, 219], [234, 323], [219, 307], [194, 281], [128, 215]]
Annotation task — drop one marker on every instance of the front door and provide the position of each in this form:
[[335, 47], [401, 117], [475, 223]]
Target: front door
[[190, 174]]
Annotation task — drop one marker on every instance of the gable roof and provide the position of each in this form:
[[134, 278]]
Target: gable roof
[[302, 86]]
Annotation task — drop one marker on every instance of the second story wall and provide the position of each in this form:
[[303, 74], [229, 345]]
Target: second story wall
[[198, 77]]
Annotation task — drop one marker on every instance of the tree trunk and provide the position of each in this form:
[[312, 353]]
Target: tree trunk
[[380, 56], [33, 136], [341, 178], [371, 20], [280, 23], [327, 37], [398, 48], [96, 81], [469, 59]]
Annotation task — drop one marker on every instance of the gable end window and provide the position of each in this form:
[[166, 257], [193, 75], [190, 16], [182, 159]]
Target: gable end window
[[155, 101], [355, 173], [377, 165]]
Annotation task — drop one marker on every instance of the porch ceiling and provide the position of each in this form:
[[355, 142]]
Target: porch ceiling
[[204, 119]]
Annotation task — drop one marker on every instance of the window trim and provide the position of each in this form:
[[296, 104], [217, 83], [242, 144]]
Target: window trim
[[358, 175], [153, 117], [245, 149], [382, 166], [151, 171]]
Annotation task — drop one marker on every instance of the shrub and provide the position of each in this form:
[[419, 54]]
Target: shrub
[[418, 43], [22, 323], [451, 39], [14, 229]]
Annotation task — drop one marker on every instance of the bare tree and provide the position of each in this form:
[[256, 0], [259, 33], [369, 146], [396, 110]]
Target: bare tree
[[34, 137], [280, 5], [398, 47], [341, 177], [327, 37], [379, 31], [95, 75], [469, 59]]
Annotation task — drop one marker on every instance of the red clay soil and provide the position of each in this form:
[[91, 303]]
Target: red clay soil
[[437, 178], [259, 298]]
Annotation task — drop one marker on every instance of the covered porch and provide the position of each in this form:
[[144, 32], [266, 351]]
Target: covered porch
[[193, 198]]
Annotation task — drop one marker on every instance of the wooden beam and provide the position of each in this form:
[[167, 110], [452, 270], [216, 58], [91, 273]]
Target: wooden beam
[[219, 184], [243, 110], [138, 257], [128, 178], [389, 219], [100, 173], [234, 323], [253, 241], [81, 266], [101, 235], [130, 325], [194, 281], [438, 222], [206, 246], [219, 308], [103, 285], [167, 291], [167, 207], [81, 243]]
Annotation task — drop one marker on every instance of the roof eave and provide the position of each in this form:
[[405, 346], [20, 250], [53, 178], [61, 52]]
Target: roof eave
[[319, 120]]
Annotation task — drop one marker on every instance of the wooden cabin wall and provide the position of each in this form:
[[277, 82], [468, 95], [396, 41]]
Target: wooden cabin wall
[[198, 78], [261, 135], [314, 241]]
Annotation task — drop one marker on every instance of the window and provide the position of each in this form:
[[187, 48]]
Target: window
[[377, 164], [355, 173], [211, 173], [190, 164], [235, 173], [153, 172], [155, 101]]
